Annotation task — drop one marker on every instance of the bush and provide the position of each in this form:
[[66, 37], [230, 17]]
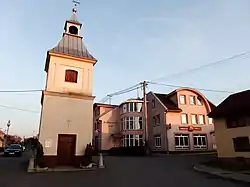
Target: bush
[[87, 157], [1, 149], [127, 151]]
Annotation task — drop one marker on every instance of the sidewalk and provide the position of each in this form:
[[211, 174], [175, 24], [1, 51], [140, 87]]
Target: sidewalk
[[243, 176]]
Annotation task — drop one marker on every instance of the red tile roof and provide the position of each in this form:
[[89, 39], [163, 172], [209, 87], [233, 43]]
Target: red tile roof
[[235, 104]]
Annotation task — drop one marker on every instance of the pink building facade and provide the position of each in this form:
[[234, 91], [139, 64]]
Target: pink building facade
[[178, 121], [118, 125]]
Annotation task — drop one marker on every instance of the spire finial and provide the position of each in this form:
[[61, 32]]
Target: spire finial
[[76, 3]]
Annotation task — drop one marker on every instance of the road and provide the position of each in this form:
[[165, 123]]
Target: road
[[172, 171]]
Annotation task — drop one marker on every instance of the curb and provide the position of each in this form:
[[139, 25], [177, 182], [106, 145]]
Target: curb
[[197, 169]]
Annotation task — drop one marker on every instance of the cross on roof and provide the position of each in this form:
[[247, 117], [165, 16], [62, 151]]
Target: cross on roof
[[76, 3]]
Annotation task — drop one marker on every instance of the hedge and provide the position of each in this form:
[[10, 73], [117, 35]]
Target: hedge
[[1, 149], [127, 151]]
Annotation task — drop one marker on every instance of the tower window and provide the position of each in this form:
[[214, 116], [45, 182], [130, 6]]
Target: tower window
[[71, 76], [73, 30]]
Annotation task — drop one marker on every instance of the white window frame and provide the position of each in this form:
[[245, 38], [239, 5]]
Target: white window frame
[[182, 99], [199, 101], [131, 140], [203, 119], [210, 121], [157, 141], [182, 136], [196, 121], [134, 120], [138, 107], [186, 118], [192, 100], [200, 137]]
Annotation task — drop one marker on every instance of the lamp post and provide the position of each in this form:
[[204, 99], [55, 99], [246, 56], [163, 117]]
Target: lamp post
[[7, 133]]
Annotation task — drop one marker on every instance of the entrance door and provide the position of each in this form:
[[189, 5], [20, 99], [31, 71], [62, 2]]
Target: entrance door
[[66, 149]]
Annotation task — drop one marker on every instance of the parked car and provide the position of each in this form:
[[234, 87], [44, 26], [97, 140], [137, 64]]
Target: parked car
[[13, 150]]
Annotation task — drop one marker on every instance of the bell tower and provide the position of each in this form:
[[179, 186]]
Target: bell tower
[[67, 101]]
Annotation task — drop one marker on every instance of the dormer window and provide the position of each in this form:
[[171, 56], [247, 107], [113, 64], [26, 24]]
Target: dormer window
[[71, 76], [73, 30]]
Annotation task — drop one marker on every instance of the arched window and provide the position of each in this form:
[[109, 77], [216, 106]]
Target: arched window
[[73, 30], [71, 76]]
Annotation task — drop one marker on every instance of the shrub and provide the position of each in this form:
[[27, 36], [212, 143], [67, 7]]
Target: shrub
[[87, 157], [1, 149]]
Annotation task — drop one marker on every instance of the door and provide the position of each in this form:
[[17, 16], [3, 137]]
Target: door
[[66, 149]]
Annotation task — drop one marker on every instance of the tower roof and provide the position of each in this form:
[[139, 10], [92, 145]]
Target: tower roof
[[71, 43], [73, 46]]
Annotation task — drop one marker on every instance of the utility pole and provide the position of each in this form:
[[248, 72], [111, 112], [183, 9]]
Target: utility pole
[[145, 113], [7, 134]]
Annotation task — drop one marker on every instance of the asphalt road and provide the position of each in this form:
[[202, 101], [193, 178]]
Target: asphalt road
[[172, 171]]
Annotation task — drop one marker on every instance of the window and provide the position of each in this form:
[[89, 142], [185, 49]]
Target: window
[[131, 123], [124, 108], [122, 124], [73, 30], [182, 141], [200, 141], [210, 121], [184, 118], [138, 107], [199, 101], [192, 100], [157, 140], [241, 144], [71, 76], [194, 118], [182, 99], [97, 111], [156, 120], [202, 119], [132, 140], [236, 122], [153, 103], [131, 107]]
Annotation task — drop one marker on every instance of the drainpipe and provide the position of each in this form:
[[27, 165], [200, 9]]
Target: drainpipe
[[166, 133]]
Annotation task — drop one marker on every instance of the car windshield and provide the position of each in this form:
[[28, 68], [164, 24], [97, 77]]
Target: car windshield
[[14, 146]]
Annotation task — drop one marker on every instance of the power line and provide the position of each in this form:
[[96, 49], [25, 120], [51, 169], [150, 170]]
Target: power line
[[178, 86], [20, 109], [204, 66], [120, 92], [19, 91]]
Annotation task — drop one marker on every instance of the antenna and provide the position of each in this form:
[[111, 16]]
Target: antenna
[[76, 3]]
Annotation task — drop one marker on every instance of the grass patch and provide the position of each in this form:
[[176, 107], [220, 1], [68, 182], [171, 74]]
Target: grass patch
[[228, 165]]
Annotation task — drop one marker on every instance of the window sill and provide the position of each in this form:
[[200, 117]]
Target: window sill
[[182, 148], [242, 151], [200, 148]]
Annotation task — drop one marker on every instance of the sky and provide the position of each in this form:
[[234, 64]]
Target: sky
[[132, 40]]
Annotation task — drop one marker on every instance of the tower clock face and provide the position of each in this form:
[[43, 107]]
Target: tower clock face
[[73, 30]]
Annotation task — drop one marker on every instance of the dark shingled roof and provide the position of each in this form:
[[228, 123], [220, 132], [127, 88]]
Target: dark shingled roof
[[167, 102], [73, 46], [235, 104]]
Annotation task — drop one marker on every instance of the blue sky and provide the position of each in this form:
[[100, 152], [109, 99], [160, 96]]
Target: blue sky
[[132, 40]]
